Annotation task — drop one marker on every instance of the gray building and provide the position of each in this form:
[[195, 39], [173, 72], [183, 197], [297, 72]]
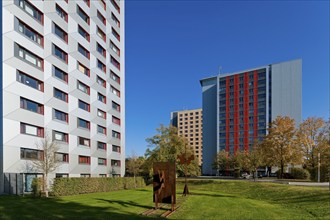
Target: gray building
[[237, 107]]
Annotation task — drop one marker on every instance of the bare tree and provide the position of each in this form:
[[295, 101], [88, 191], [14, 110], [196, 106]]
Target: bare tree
[[49, 161], [133, 165]]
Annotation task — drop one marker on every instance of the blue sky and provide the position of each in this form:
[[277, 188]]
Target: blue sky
[[171, 45]]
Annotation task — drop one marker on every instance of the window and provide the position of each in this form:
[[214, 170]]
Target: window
[[29, 57], [30, 81], [83, 123], [84, 160], [84, 141], [60, 136], [60, 95], [115, 91], [114, 48], [30, 33], [102, 161], [83, 15], [115, 106], [62, 116], [115, 62], [100, 81], [115, 77], [101, 17], [61, 13], [115, 120], [60, 53], [31, 154], [115, 34], [115, 20], [60, 74], [115, 163], [61, 157], [31, 10], [101, 114], [101, 98], [115, 134], [32, 130], [102, 175], [101, 130], [84, 88], [85, 175], [83, 69], [61, 175], [101, 145], [101, 66], [83, 33], [115, 148], [83, 105], [60, 33], [103, 4], [101, 50], [100, 33], [88, 3], [32, 106], [83, 51], [115, 5]]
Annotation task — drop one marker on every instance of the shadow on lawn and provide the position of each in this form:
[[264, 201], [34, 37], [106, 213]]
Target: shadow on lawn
[[14, 207], [125, 204], [212, 195]]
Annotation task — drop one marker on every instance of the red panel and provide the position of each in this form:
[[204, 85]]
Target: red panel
[[236, 93], [227, 113], [246, 111], [255, 113]]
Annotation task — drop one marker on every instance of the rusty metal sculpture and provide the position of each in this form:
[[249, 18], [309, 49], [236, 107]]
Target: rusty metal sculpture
[[164, 183], [185, 160]]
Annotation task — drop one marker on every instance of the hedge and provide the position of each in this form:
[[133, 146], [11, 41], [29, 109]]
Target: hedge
[[75, 186], [299, 173]]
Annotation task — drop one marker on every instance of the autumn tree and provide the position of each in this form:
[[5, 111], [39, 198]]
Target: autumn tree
[[165, 146], [252, 159], [280, 146], [49, 161], [134, 166], [313, 136], [221, 161]]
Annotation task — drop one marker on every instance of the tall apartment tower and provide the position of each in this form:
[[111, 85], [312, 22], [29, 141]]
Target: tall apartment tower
[[237, 107], [189, 124], [63, 76]]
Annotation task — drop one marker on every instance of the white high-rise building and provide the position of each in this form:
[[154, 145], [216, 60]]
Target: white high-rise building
[[63, 75]]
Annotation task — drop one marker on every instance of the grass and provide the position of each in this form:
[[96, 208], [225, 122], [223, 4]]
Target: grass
[[209, 199]]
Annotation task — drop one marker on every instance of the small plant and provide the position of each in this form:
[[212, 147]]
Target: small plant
[[299, 173]]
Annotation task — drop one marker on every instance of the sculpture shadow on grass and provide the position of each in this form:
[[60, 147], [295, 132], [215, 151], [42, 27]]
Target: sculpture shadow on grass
[[14, 207]]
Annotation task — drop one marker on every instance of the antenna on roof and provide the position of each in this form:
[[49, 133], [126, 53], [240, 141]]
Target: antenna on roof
[[220, 69]]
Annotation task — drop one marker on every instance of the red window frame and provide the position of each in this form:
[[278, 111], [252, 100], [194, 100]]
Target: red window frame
[[100, 16], [114, 45], [65, 114], [102, 33], [115, 34], [88, 70], [117, 109], [39, 82], [88, 88], [104, 145], [23, 105], [63, 52], [83, 141], [115, 18], [115, 5], [88, 124], [64, 12], [87, 34], [40, 130], [117, 147], [115, 62], [103, 159], [117, 91], [65, 95], [65, 33], [116, 120], [104, 98], [85, 103], [84, 13], [104, 67], [116, 76], [85, 51], [105, 114], [104, 83], [103, 129], [84, 159]]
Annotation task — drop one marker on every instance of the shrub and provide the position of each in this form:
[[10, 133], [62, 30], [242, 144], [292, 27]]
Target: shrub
[[324, 174], [299, 173], [75, 186], [36, 185]]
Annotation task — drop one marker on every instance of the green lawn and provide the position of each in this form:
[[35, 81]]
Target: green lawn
[[208, 200]]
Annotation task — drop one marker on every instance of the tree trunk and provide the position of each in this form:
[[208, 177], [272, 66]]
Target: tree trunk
[[134, 182], [282, 169], [46, 185]]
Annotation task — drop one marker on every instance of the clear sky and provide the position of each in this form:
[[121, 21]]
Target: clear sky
[[171, 45]]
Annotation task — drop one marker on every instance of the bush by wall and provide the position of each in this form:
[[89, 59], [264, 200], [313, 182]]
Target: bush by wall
[[299, 173], [324, 174], [37, 185], [75, 186]]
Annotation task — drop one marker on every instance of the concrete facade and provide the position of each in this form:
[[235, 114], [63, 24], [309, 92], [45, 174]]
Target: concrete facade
[[189, 124], [63, 76], [237, 107]]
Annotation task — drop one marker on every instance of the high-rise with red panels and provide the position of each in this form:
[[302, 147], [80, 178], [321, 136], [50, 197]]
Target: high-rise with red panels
[[237, 107]]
